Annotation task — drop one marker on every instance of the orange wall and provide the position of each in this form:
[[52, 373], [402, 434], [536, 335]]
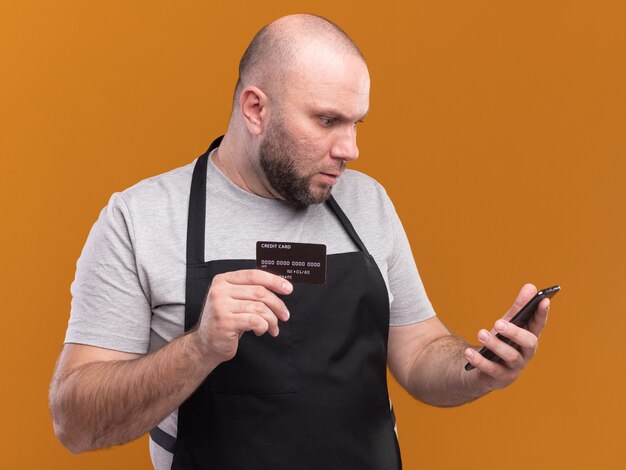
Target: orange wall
[[498, 129]]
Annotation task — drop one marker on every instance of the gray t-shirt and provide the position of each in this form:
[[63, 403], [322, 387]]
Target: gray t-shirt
[[129, 290]]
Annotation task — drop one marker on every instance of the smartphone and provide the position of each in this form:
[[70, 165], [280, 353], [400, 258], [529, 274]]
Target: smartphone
[[520, 319]]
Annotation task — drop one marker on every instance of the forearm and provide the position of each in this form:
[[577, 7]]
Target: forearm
[[100, 404], [438, 375]]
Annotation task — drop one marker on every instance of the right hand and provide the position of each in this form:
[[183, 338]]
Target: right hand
[[237, 302]]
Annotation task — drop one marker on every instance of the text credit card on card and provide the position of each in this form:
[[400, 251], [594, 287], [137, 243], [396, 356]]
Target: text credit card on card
[[296, 262]]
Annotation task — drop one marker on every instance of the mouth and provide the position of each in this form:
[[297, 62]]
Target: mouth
[[334, 171], [330, 178]]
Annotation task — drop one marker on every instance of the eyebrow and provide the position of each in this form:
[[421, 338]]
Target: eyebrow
[[329, 111]]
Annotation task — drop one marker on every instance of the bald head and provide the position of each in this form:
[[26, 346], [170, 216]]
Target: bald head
[[278, 49], [303, 87]]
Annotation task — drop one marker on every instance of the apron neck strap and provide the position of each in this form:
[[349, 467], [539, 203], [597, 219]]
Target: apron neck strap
[[197, 208], [197, 211], [332, 203]]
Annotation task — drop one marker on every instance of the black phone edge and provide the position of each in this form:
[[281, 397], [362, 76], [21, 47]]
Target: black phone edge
[[519, 319]]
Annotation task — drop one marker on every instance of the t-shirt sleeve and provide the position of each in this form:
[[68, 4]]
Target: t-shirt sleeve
[[110, 308], [410, 304]]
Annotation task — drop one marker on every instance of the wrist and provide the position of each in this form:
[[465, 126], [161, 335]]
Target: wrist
[[476, 384], [199, 351]]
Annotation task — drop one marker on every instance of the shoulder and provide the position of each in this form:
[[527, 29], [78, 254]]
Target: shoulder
[[352, 178], [153, 206], [357, 192], [159, 189]]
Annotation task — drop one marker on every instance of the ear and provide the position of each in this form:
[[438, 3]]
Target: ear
[[253, 105]]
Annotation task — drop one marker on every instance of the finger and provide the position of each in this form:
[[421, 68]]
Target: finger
[[491, 368], [525, 294], [521, 336], [258, 308], [260, 294], [260, 278], [509, 354], [250, 322], [540, 318]]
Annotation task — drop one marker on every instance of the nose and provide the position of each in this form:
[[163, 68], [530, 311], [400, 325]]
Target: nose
[[344, 147]]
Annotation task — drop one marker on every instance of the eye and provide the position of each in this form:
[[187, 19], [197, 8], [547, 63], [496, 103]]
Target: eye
[[327, 121]]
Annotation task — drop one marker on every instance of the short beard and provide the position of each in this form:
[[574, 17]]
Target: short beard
[[277, 154]]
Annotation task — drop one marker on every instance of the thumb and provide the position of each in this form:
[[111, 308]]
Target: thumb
[[525, 294]]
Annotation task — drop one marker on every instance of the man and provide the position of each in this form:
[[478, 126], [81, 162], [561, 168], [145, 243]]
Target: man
[[233, 367]]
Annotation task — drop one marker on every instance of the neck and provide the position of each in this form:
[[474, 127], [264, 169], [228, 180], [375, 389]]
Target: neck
[[236, 159]]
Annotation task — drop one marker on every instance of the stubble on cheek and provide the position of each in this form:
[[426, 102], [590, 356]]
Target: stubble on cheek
[[289, 167]]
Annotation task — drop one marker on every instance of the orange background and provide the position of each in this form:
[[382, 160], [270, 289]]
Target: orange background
[[498, 128]]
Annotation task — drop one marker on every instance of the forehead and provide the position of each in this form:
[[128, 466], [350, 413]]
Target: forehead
[[323, 78]]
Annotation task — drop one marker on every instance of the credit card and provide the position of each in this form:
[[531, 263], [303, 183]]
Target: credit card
[[296, 262]]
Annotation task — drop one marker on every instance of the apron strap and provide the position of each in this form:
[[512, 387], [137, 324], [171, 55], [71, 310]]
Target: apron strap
[[197, 212], [197, 208], [332, 203], [163, 439]]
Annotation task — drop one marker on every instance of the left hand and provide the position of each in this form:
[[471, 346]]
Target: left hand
[[513, 360]]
